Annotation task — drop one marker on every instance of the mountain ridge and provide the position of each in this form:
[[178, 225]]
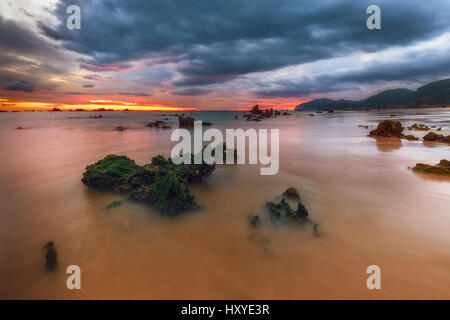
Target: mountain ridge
[[433, 94]]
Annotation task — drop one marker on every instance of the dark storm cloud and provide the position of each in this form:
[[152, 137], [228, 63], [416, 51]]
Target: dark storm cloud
[[423, 67], [191, 91], [23, 53], [140, 94], [20, 85], [216, 41]]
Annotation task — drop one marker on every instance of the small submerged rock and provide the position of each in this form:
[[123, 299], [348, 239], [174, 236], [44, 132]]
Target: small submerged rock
[[254, 220], [187, 122], [419, 127], [410, 137], [51, 256], [121, 128], [158, 124], [442, 168], [114, 204], [281, 212]]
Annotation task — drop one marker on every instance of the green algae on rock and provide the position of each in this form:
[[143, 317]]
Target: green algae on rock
[[114, 204], [442, 168], [388, 129], [169, 194], [161, 183], [110, 173], [281, 211]]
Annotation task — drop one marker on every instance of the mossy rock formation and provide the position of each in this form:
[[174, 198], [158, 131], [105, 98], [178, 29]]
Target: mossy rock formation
[[388, 129], [160, 183], [281, 212]]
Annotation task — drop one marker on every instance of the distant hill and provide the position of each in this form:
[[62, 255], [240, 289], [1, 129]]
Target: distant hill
[[433, 94]]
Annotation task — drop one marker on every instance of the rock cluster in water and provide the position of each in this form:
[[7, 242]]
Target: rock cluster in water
[[442, 168], [256, 114], [161, 183]]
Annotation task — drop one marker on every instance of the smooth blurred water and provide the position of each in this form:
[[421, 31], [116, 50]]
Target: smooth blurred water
[[371, 209]]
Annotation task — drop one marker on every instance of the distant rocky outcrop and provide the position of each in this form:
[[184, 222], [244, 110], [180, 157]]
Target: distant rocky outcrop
[[419, 127], [442, 168], [257, 114], [388, 129], [434, 94], [184, 122], [431, 136], [188, 122]]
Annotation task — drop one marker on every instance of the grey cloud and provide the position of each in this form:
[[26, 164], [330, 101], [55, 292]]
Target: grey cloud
[[217, 41], [191, 91], [141, 94], [20, 85]]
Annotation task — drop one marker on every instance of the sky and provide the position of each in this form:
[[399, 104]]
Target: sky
[[215, 55]]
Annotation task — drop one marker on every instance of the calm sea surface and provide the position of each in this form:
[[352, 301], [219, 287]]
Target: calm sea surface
[[371, 209]]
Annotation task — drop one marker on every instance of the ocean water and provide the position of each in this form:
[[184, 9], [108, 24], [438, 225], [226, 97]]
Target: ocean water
[[372, 210]]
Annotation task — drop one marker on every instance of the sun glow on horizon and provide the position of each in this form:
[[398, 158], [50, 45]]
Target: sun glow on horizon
[[18, 104]]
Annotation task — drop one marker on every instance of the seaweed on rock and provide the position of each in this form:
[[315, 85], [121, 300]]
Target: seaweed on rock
[[161, 183], [110, 173]]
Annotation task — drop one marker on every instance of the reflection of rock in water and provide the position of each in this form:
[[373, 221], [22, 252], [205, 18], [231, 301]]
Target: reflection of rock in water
[[261, 241], [388, 144]]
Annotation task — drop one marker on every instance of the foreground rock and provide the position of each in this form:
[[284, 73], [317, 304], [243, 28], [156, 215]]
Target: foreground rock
[[442, 168], [388, 129], [161, 183], [281, 211], [51, 256], [431, 136]]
